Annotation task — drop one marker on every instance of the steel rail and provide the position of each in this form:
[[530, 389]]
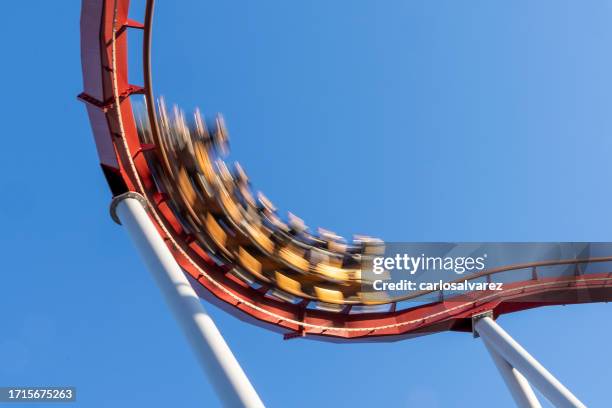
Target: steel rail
[[146, 64]]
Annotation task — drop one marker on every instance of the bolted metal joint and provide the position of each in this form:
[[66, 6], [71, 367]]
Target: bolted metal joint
[[121, 197], [478, 316]]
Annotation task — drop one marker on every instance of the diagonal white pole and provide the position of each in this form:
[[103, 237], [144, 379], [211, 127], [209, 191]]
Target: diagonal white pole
[[521, 391], [521, 360], [224, 372]]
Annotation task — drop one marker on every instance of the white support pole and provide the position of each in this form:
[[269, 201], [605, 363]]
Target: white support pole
[[222, 368], [528, 366], [521, 391]]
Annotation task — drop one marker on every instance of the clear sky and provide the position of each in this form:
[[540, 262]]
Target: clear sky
[[413, 120]]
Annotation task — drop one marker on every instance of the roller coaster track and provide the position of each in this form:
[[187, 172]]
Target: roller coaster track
[[238, 252]]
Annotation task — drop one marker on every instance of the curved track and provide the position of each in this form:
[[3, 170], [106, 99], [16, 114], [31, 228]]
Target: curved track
[[241, 254]]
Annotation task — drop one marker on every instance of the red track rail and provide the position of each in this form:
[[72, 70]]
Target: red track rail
[[104, 49]]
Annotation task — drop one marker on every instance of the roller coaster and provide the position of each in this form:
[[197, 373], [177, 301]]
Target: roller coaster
[[231, 241]]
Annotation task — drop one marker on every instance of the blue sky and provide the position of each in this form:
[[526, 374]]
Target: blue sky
[[412, 121]]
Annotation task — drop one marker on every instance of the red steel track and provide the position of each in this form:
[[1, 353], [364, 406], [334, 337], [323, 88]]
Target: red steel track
[[107, 94]]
